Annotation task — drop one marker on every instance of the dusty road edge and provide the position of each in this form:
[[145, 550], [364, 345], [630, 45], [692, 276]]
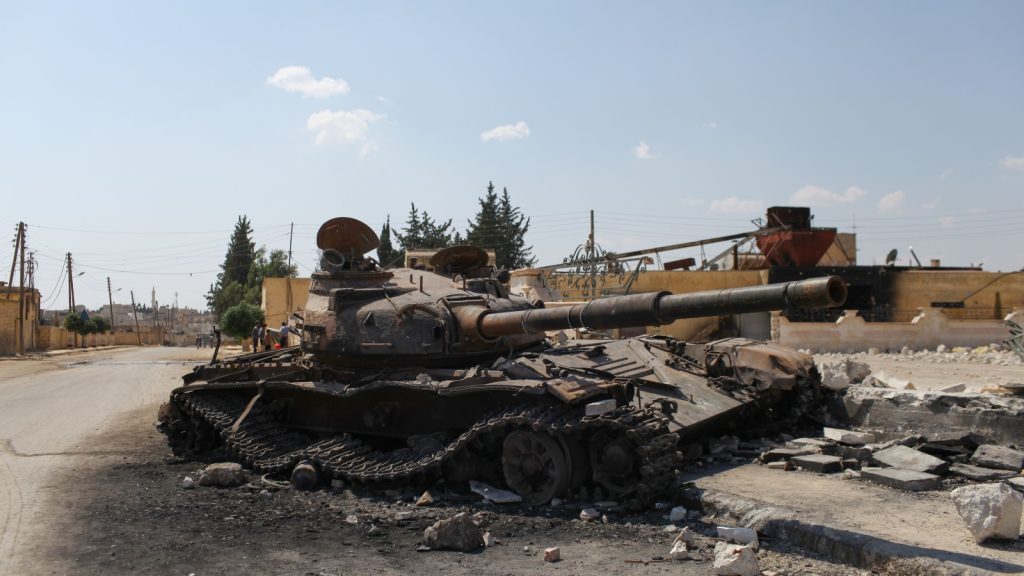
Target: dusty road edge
[[844, 546]]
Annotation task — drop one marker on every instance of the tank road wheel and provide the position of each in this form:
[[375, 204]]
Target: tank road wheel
[[535, 466], [614, 462]]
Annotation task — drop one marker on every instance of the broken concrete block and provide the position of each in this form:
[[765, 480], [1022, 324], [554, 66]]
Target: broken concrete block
[[456, 533], [776, 454], [969, 439], [814, 442], [907, 458], [980, 473], [909, 480], [677, 514], [953, 388], [738, 535], [1017, 483], [426, 499], [496, 495], [188, 483], [679, 551], [489, 540], [832, 378], [735, 560], [686, 535], [819, 463], [849, 437], [588, 514], [995, 456], [990, 510], [780, 465], [552, 554], [857, 371], [222, 474], [723, 444]]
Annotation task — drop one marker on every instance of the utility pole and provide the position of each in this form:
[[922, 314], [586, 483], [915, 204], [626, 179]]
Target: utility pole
[[136, 312], [14, 259], [110, 296], [21, 295], [290, 234], [71, 295]]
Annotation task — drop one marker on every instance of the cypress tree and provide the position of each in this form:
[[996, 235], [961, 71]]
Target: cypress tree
[[386, 253]]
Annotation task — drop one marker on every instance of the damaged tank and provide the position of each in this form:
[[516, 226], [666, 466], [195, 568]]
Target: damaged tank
[[411, 376]]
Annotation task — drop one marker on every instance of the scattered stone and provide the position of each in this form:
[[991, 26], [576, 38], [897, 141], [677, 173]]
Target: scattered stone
[[352, 519], [552, 554], [686, 536], [266, 493], [739, 535], [1016, 483], [780, 465], [849, 474], [556, 501], [940, 348], [404, 515], [990, 510], [777, 454], [953, 388], [969, 439], [910, 480], [223, 475], [819, 463], [670, 528], [588, 514], [979, 473], [907, 458], [188, 483], [723, 444], [677, 514], [735, 560], [489, 540], [816, 442], [849, 436], [834, 379], [496, 495], [679, 551], [456, 533], [425, 499], [995, 456], [373, 531]]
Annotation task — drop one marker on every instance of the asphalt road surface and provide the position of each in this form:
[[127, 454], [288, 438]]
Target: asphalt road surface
[[53, 413]]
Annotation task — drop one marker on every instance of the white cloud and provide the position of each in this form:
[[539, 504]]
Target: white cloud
[[643, 151], [947, 221], [1012, 162], [384, 99], [891, 201], [816, 195], [300, 79], [734, 205], [342, 126], [516, 131]]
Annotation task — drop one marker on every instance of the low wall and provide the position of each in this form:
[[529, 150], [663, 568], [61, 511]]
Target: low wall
[[57, 338], [927, 330]]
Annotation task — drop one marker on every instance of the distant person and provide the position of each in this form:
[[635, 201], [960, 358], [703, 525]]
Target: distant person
[[199, 342], [261, 337], [268, 338], [255, 337], [283, 339]]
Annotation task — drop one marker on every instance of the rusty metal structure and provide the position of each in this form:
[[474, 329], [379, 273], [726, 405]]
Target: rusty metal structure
[[408, 375]]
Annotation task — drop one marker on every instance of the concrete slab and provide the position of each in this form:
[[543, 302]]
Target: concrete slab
[[909, 480], [819, 463], [980, 473], [907, 458], [784, 454], [996, 456], [856, 522]]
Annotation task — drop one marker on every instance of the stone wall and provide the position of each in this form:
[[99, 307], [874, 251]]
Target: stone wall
[[57, 338]]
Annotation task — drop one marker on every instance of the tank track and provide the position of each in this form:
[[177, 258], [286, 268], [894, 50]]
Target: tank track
[[266, 446]]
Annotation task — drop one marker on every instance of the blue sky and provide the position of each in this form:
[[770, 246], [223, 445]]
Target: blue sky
[[134, 134]]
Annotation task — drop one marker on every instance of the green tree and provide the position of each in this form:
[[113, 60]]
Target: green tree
[[514, 225], [263, 266], [386, 253], [101, 325], [239, 320], [234, 271], [485, 230], [422, 232]]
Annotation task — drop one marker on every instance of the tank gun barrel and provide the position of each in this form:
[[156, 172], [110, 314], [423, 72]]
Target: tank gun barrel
[[657, 308]]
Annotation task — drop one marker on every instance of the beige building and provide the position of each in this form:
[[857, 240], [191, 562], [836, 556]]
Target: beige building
[[13, 332]]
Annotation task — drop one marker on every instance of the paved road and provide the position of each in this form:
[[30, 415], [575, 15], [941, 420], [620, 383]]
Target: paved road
[[53, 414]]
